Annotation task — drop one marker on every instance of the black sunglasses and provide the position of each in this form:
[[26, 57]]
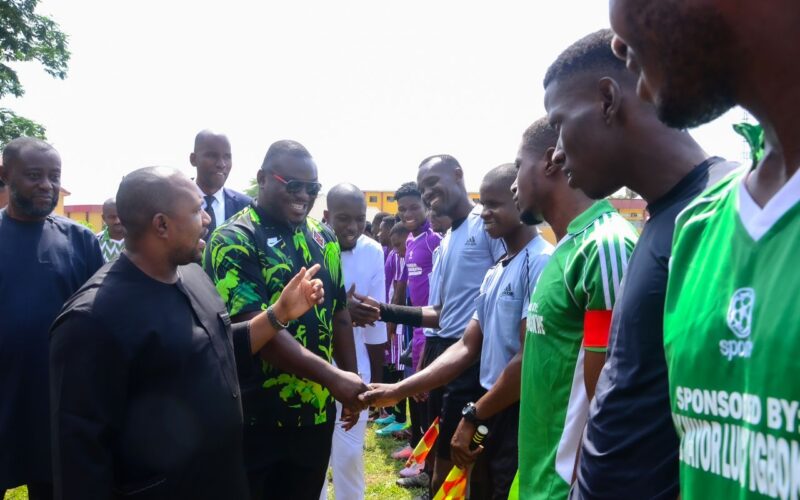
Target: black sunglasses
[[294, 186]]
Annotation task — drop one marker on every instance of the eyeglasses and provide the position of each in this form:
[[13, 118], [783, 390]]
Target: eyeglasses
[[294, 186]]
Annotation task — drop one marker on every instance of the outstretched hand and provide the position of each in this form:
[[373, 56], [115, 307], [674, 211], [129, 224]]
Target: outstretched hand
[[363, 310], [345, 389], [380, 395], [299, 295]]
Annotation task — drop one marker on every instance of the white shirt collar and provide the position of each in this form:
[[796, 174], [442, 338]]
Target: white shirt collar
[[219, 195]]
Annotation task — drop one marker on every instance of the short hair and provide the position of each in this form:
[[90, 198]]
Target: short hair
[[142, 194], [446, 159], [407, 189], [378, 217], [14, 149], [539, 136], [344, 191], [390, 219], [205, 134], [399, 229], [283, 148], [108, 203], [591, 53], [504, 175]]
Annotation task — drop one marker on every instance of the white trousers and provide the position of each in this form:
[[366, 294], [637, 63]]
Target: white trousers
[[347, 460]]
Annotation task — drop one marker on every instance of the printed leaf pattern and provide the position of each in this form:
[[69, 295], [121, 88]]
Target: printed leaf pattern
[[250, 276]]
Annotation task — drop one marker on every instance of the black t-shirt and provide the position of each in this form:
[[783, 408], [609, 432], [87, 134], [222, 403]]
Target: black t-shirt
[[145, 396], [41, 265], [630, 449]]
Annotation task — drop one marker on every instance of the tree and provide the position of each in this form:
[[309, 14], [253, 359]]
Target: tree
[[252, 191], [26, 36]]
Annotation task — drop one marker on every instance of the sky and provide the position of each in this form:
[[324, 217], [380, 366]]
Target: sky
[[369, 87]]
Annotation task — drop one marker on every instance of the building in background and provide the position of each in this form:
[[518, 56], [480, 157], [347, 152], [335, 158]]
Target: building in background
[[90, 216], [60, 206]]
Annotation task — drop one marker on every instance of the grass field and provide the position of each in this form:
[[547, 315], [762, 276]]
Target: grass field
[[380, 470]]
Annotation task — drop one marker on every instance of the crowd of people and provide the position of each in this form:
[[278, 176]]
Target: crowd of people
[[206, 345]]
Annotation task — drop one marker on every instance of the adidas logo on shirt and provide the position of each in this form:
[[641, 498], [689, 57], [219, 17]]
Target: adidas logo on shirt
[[470, 242], [508, 292]]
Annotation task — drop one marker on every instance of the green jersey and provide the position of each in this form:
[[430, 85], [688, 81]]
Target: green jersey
[[579, 283], [111, 248], [730, 332]]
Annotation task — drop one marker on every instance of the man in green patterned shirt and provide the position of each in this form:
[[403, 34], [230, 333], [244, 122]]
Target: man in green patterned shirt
[[289, 419], [112, 237]]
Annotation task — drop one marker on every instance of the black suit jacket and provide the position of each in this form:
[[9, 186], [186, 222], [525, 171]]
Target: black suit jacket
[[234, 202]]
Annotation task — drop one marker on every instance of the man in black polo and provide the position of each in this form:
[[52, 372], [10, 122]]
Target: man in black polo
[[288, 419], [145, 398]]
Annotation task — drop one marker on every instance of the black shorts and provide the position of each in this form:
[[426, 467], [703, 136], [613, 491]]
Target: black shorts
[[500, 450], [448, 401], [464, 389]]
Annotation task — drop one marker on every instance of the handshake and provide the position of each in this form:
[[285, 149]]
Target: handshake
[[355, 395]]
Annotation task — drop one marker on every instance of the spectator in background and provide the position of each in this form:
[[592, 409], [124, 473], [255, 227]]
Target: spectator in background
[[375, 225], [112, 237], [420, 245], [440, 223], [362, 265], [383, 235], [396, 274], [213, 160], [44, 258]]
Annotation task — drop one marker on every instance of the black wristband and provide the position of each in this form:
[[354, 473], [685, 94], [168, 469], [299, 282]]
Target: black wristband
[[402, 315]]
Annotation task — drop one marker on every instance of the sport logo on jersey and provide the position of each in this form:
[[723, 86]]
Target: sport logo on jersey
[[535, 321], [740, 322]]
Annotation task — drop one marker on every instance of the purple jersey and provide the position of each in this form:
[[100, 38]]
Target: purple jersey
[[419, 262], [394, 270]]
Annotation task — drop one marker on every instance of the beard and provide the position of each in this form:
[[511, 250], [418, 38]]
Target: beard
[[696, 51], [27, 206]]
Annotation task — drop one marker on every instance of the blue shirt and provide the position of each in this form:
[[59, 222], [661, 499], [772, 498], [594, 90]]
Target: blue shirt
[[41, 265], [503, 303], [467, 253]]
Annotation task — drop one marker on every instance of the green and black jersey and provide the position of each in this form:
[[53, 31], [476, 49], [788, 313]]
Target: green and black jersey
[[250, 258]]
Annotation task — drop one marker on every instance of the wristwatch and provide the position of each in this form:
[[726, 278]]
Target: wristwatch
[[274, 321], [470, 414]]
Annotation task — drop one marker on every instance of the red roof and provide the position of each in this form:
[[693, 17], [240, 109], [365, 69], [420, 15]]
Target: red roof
[[84, 208], [628, 204]]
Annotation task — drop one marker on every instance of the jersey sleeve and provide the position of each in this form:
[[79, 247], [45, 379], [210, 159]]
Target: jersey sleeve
[[606, 258], [231, 261]]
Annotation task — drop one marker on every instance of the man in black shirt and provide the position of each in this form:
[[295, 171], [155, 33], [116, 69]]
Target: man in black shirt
[[608, 139], [288, 419], [44, 258], [144, 390]]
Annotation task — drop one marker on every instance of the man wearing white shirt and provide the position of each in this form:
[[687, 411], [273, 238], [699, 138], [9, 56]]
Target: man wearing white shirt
[[363, 268], [213, 160]]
